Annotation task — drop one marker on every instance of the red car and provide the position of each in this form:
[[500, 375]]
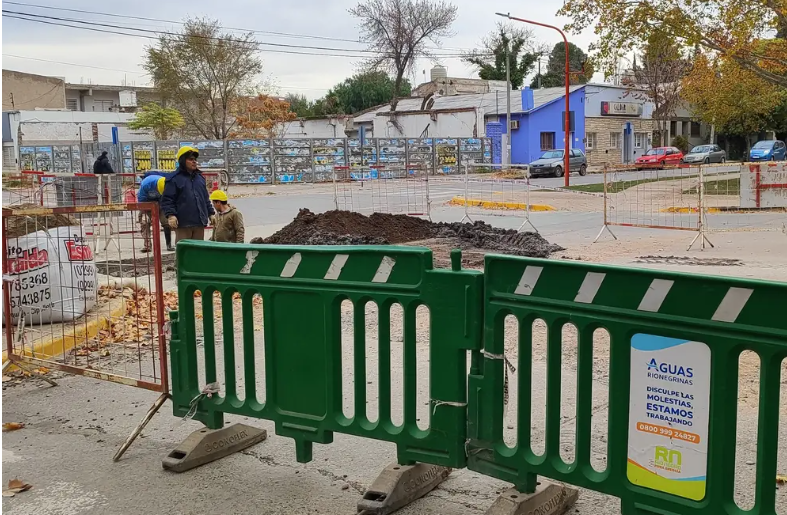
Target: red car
[[659, 157]]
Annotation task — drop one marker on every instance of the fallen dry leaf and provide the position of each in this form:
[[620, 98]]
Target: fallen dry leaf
[[7, 378], [781, 479], [12, 426], [16, 486], [104, 352], [42, 370]]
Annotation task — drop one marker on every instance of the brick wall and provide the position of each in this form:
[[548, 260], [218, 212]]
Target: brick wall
[[603, 153]]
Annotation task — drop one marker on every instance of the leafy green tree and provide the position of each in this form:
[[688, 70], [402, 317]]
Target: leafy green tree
[[162, 121], [365, 90], [326, 106], [681, 143], [490, 59], [555, 76], [299, 105]]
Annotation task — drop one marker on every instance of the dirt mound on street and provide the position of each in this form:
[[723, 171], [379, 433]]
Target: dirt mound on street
[[348, 228], [506, 241], [310, 229]]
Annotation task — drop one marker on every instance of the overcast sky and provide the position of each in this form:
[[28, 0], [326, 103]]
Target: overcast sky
[[307, 20]]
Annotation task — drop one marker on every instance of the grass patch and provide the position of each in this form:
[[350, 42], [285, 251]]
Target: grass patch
[[617, 187], [722, 187]]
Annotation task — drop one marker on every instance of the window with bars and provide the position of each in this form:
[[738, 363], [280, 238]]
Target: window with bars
[[72, 104], [614, 140], [639, 140], [547, 140]]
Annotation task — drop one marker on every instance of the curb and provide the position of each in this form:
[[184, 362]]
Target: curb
[[62, 344], [689, 210], [491, 204], [725, 210]]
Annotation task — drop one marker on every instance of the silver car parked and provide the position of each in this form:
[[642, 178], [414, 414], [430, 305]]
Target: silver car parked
[[551, 163], [705, 154]]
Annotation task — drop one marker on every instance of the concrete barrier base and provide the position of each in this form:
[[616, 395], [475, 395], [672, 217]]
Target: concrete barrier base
[[548, 499], [399, 485], [206, 445]]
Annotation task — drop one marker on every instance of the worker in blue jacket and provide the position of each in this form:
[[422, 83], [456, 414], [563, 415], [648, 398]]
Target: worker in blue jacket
[[185, 202], [150, 190]]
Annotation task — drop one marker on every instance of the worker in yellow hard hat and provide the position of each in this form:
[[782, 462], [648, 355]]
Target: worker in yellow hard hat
[[185, 201], [150, 190], [228, 222]]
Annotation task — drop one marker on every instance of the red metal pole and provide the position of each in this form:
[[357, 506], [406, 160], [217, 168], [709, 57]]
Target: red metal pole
[[159, 270], [9, 330], [567, 143], [567, 134]]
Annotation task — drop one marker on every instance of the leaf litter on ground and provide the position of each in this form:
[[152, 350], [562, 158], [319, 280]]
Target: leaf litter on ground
[[16, 486]]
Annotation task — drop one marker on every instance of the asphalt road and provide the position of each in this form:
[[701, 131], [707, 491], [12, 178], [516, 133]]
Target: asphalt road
[[72, 430]]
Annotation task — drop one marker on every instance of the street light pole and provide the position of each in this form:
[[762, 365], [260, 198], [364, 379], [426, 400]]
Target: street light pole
[[508, 106], [567, 136]]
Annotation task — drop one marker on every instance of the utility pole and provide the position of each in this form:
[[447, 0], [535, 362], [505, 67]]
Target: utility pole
[[539, 71], [508, 106], [567, 132]]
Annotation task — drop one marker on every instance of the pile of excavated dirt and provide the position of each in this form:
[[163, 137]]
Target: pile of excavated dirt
[[352, 228], [505, 241], [348, 228]]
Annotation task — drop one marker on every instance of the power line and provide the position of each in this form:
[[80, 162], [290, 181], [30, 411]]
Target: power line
[[137, 73], [160, 20], [39, 18], [72, 64], [98, 13], [115, 32]]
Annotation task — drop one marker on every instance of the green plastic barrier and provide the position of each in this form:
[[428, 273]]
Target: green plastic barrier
[[302, 289], [675, 346]]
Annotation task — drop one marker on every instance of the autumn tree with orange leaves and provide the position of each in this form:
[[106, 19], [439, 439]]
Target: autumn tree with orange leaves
[[735, 99], [262, 116], [747, 33]]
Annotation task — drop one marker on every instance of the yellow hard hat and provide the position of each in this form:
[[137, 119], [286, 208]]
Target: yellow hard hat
[[184, 150], [160, 185], [218, 195]]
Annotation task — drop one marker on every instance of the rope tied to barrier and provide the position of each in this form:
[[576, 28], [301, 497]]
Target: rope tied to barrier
[[208, 392], [508, 367], [437, 403]]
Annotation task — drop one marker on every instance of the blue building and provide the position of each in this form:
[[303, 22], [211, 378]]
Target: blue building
[[538, 122], [537, 119]]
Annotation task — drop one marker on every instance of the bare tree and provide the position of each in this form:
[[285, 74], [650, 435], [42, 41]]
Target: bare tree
[[202, 72], [397, 31], [658, 79]]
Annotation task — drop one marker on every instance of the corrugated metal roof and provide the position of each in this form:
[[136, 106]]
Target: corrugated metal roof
[[491, 103]]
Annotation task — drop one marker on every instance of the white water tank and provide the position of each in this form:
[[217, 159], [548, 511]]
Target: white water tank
[[437, 73]]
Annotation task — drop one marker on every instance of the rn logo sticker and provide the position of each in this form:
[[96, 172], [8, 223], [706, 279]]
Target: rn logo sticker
[[667, 459], [668, 415]]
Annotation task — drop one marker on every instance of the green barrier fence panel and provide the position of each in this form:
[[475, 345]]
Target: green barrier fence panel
[[675, 343], [302, 289]]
